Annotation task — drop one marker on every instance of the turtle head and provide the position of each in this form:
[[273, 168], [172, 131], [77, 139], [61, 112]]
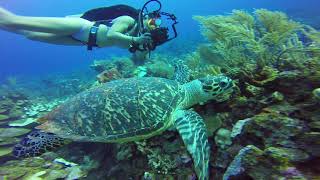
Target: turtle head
[[217, 88]]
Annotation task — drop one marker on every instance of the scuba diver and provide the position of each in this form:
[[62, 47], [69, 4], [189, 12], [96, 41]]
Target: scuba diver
[[123, 26]]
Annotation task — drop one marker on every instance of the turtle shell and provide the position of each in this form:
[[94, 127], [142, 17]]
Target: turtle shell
[[121, 110]]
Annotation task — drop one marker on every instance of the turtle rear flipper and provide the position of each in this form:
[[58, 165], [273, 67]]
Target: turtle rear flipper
[[37, 143], [194, 135]]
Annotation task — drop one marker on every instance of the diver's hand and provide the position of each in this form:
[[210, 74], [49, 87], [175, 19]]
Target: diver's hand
[[143, 39]]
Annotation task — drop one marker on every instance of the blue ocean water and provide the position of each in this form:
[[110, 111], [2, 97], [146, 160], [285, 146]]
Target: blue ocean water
[[22, 57]]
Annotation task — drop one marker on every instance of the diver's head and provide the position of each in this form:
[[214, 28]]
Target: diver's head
[[152, 23], [150, 20]]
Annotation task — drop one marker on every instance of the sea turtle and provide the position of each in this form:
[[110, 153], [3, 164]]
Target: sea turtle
[[130, 110]]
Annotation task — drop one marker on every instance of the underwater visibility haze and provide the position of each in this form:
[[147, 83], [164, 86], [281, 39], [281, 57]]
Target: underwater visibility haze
[[202, 89]]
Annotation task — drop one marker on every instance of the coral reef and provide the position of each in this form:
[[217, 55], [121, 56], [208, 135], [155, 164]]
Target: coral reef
[[108, 75], [160, 69], [223, 138], [257, 47], [253, 162], [39, 168], [140, 71], [18, 114], [275, 63], [123, 65]]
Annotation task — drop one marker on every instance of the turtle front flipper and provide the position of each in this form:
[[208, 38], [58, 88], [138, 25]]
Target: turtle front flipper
[[194, 134], [182, 72], [37, 143]]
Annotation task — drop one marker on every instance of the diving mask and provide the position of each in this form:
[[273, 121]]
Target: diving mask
[[154, 23]]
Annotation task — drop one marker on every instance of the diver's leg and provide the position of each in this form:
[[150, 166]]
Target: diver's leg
[[5, 18], [58, 26], [45, 37], [52, 38], [54, 25], [13, 30]]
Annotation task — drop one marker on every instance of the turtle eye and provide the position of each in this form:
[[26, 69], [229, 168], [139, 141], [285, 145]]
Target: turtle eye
[[222, 84]]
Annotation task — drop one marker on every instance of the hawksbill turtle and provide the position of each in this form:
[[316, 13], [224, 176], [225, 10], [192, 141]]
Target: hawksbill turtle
[[130, 110]]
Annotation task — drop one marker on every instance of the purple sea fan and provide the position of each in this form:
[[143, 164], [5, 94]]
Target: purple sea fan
[[192, 176], [291, 172]]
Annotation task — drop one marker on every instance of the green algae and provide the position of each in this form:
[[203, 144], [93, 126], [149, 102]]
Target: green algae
[[223, 138], [212, 123], [259, 165], [271, 163], [316, 94], [309, 141], [315, 125], [290, 154]]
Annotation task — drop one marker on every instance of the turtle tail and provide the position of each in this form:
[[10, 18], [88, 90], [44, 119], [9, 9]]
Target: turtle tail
[[37, 143]]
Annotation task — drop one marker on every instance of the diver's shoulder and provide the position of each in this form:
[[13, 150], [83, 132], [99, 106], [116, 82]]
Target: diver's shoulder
[[125, 19]]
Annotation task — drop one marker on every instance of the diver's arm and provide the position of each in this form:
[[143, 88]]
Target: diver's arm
[[125, 41], [116, 35], [119, 39]]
